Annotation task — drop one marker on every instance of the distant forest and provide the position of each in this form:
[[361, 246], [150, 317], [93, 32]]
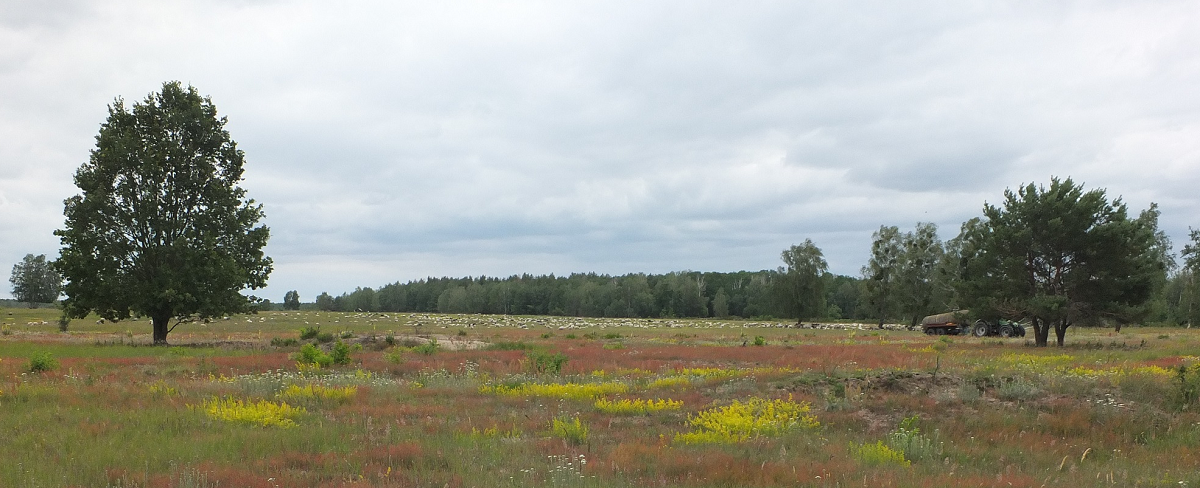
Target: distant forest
[[746, 294], [742, 294]]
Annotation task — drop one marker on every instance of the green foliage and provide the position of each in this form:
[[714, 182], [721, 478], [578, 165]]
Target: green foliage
[[573, 430], [291, 300], [1059, 256], [760, 341], [802, 285], [324, 302], [324, 337], [284, 342], [543, 362], [901, 276], [741, 421], [914, 445], [34, 280], [313, 356], [1187, 386], [340, 353], [42, 361], [394, 356], [509, 346], [878, 454], [428, 348], [309, 333], [161, 228]]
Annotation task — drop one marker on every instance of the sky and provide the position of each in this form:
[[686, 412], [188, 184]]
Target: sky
[[390, 141]]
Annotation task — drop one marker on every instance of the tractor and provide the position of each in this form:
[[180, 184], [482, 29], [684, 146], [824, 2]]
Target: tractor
[[955, 323]]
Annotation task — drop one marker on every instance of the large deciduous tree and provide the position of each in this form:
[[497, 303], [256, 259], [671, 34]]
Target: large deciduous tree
[[803, 281], [162, 228], [881, 274], [1189, 311], [34, 280], [1059, 256], [291, 300]]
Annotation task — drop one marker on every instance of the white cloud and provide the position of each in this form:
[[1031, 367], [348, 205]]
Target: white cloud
[[390, 141]]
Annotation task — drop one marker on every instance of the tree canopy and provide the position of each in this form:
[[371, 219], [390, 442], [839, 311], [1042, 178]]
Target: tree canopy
[[803, 282], [34, 280], [162, 228], [1058, 256]]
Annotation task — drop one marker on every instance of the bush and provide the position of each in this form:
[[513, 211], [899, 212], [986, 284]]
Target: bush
[[309, 333], [428, 348], [42, 361], [878, 454], [340, 353], [908, 439], [544, 362], [394, 356], [284, 342], [760, 341], [325, 337], [509, 346], [573, 431], [313, 355]]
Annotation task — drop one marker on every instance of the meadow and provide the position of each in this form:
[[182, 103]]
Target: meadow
[[399, 400]]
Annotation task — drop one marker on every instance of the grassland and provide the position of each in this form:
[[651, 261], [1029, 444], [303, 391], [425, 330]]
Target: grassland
[[537, 401]]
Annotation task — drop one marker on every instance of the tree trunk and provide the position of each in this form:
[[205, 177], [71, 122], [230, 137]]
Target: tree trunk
[[1060, 330], [160, 329], [1041, 332]]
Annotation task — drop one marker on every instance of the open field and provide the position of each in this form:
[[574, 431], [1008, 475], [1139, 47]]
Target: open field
[[550, 401]]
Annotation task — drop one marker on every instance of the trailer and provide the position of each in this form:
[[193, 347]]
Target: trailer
[[949, 323]]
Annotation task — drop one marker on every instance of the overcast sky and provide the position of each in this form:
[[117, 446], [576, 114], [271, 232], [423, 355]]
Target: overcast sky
[[390, 141]]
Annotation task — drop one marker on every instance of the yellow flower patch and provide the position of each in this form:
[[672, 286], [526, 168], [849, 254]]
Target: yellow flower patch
[[262, 412], [570, 391], [741, 421], [636, 406]]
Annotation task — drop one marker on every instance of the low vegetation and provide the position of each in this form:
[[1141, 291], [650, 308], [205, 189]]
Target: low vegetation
[[525, 401]]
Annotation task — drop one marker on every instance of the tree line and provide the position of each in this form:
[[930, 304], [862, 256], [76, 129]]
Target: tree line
[[1053, 256]]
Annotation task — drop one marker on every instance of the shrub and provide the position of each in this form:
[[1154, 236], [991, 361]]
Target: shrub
[[1017, 389], [878, 454], [908, 439], [346, 334], [544, 362], [428, 348], [284, 342], [309, 333], [394, 356], [314, 356], [1187, 385], [340, 353], [325, 337], [390, 340], [573, 431], [760, 341], [42, 361]]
